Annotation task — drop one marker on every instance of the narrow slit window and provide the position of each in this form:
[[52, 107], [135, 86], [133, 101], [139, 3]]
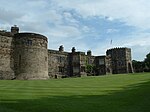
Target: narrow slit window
[[29, 42], [19, 60]]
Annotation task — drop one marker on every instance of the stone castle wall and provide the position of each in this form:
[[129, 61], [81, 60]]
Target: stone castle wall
[[78, 64], [103, 65], [120, 60], [30, 56], [25, 56], [58, 64], [6, 59]]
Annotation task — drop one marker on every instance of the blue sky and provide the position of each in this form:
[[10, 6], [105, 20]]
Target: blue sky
[[84, 24]]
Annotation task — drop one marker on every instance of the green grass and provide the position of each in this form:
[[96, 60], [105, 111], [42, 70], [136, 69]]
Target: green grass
[[113, 93]]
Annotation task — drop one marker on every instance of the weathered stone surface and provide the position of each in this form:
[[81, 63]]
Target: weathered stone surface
[[58, 64], [103, 65], [6, 59], [30, 56], [121, 60], [25, 56]]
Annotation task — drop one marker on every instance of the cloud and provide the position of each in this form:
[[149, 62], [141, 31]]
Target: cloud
[[64, 31], [7, 16], [133, 12], [63, 35], [138, 42], [84, 24], [112, 30], [69, 17]]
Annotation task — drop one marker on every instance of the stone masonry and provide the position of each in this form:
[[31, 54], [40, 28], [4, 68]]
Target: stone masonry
[[25, 56]]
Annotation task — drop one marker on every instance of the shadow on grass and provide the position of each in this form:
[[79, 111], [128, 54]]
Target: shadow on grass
[[135, 98]]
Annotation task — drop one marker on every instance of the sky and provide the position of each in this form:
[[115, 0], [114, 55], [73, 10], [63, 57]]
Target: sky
[[95, 25]]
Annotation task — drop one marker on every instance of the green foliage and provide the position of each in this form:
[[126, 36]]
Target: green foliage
[[90, 69], [138, 66], [113, 93], [147, 60]]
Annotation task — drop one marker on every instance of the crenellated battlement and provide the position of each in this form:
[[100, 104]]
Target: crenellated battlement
[[117, 48], [25, 56], [121, 60]]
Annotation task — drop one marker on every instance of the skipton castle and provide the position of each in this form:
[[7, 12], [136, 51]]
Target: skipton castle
[[25, 56]]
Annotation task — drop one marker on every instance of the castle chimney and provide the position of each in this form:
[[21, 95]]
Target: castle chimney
[[89, 52], [14, 29], [73, 49], [61, 48]]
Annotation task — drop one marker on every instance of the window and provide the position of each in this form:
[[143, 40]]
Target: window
[[29, 42], [19, 60], [61, 69], [61, 59], [101, 62]]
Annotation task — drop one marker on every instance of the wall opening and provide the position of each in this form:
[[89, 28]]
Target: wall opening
[[19, 60], [55, 76], [130, 70]]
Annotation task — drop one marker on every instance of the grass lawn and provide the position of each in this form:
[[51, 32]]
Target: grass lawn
[[113, 93]]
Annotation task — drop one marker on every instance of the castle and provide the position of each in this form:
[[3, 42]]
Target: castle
[[25, 56]]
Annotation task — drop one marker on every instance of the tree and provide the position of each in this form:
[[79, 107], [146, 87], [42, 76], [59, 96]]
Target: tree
[[90, 69], [142, 66], [147, 61], [138, 66]]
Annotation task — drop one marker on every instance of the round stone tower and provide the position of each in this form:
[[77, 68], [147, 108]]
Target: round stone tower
[[30, 56]]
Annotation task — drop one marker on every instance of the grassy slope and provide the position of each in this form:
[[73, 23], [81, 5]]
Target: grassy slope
[[115, 93]]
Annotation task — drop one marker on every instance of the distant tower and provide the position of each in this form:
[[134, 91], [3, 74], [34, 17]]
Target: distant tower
[[14, 29], [61, 48], [121, 60]]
